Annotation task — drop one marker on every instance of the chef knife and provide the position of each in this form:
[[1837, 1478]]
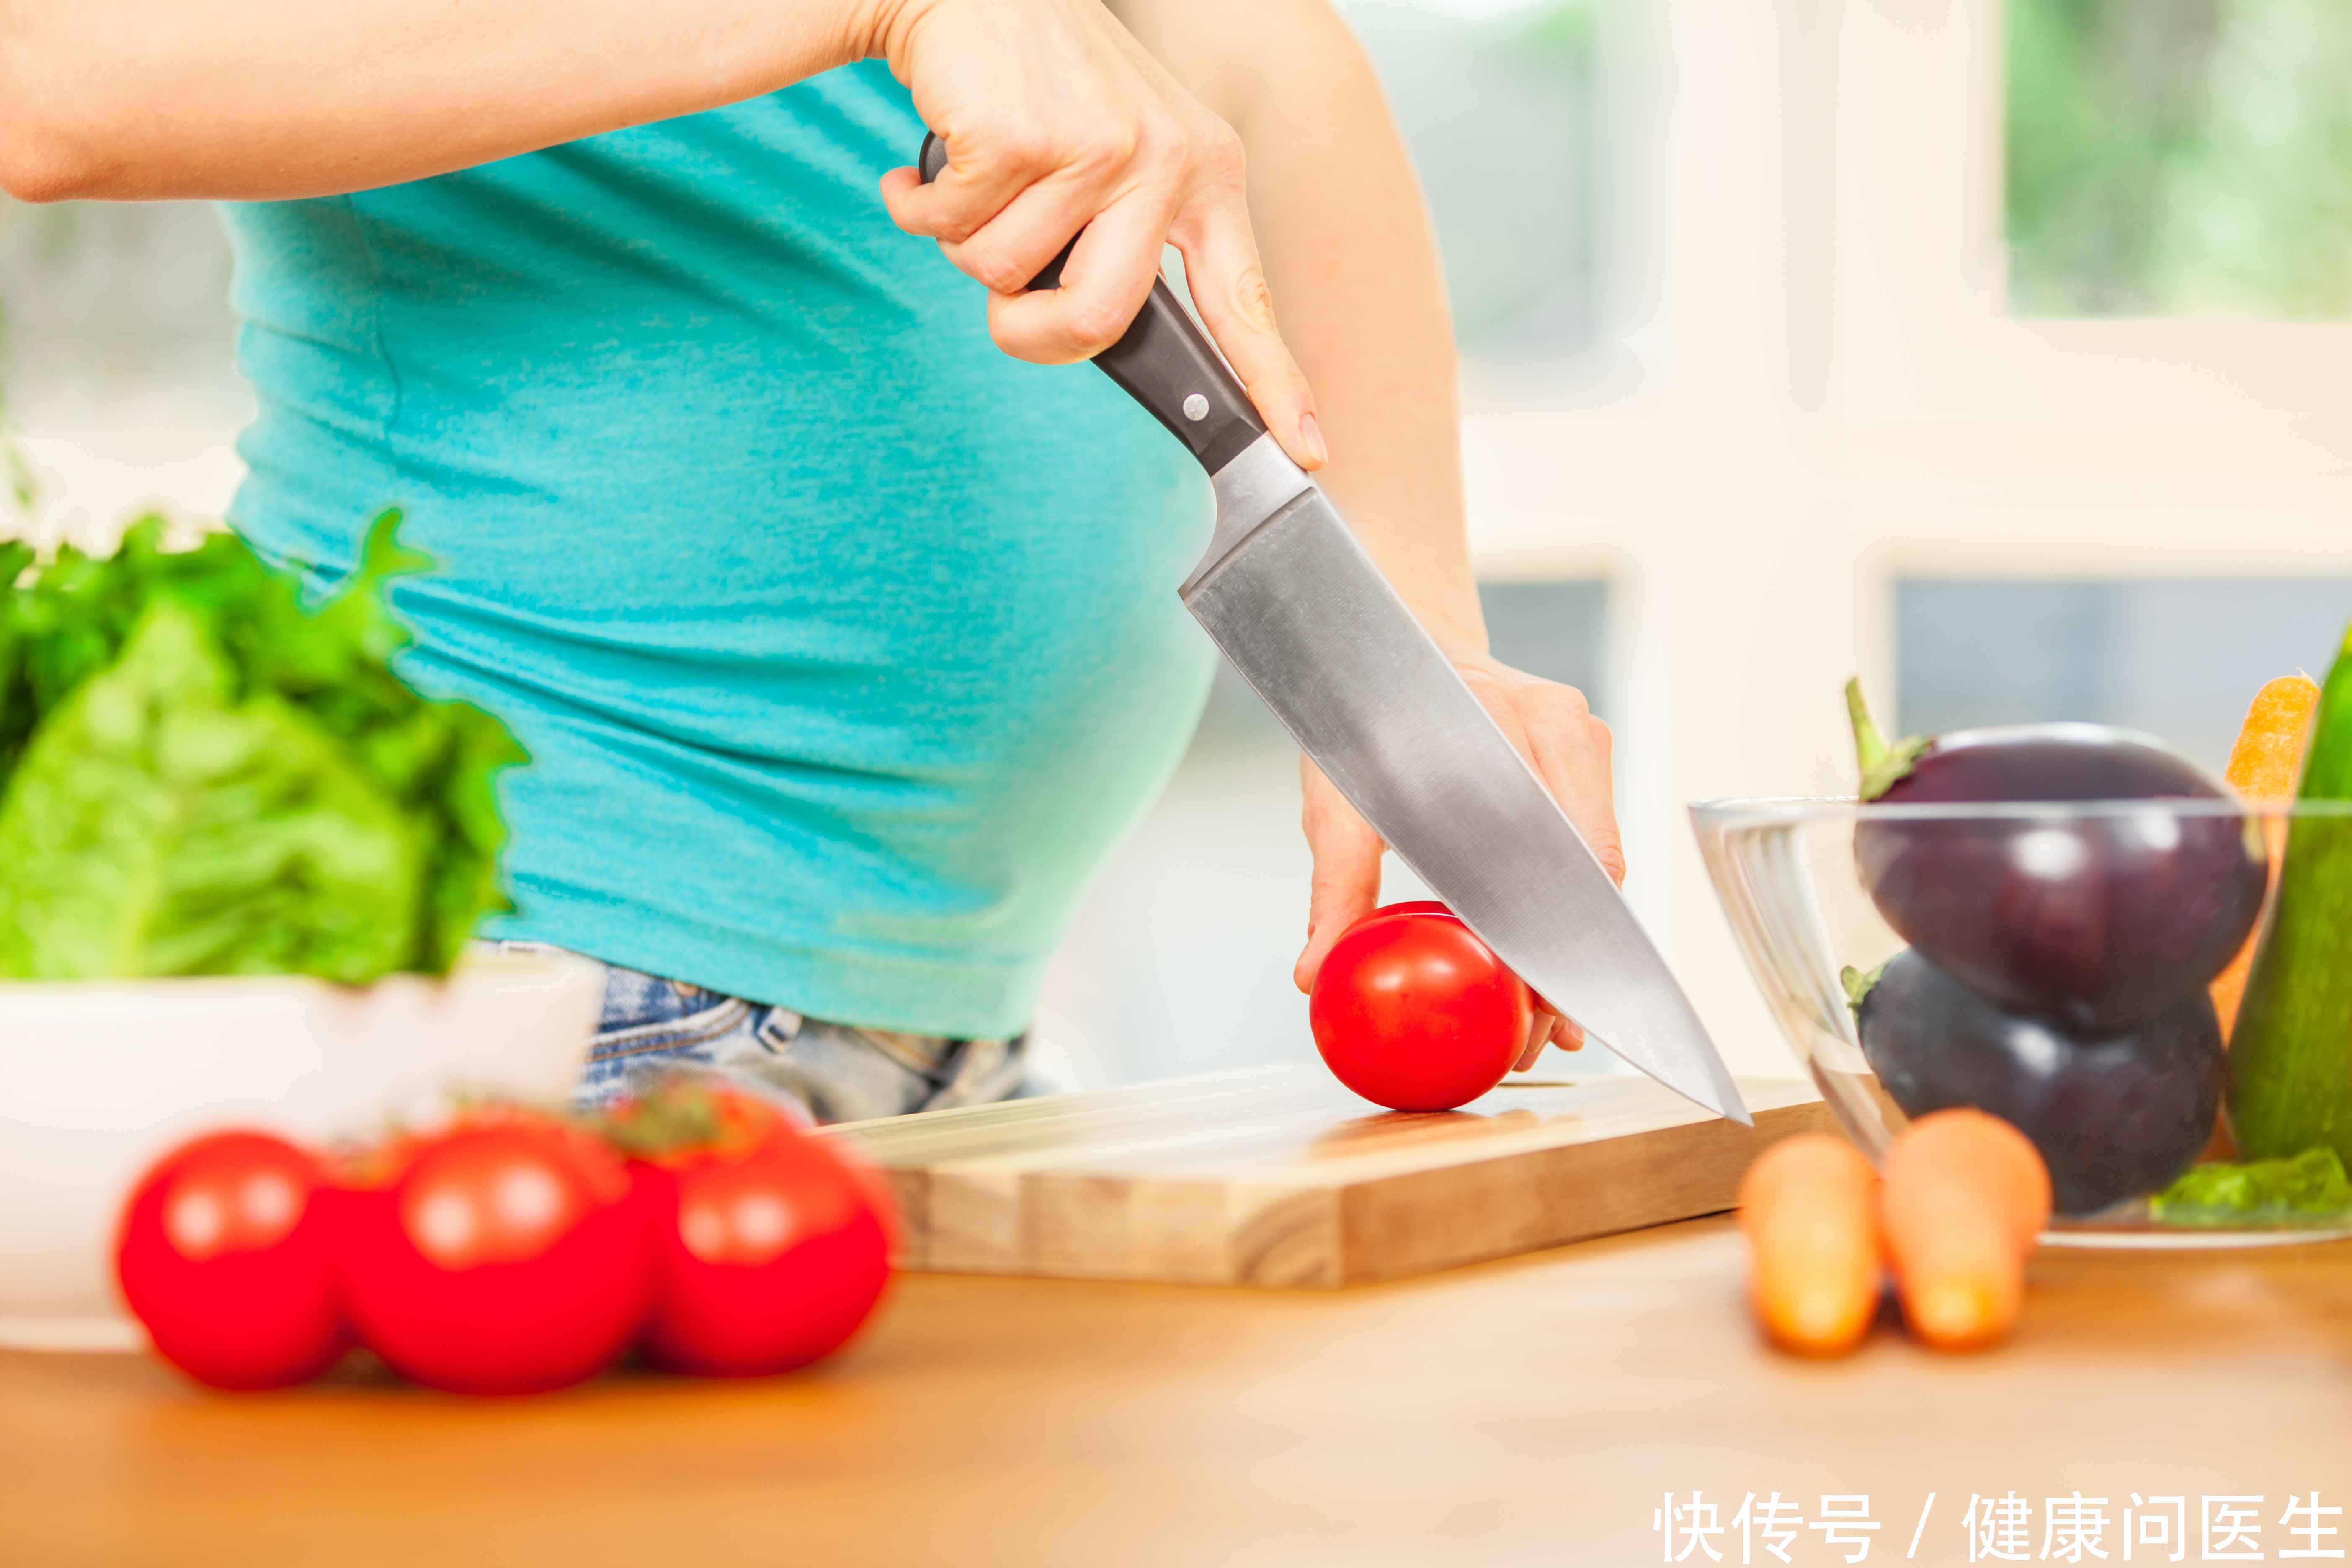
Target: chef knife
[[1309, 622]]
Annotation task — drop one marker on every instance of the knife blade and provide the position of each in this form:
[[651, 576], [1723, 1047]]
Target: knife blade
[[1306, 618]]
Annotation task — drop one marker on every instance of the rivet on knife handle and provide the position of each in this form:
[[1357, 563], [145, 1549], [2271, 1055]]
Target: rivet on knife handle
[[1164, 362]]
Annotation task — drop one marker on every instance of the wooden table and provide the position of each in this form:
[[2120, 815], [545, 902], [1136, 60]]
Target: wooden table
[[1530, 1411]]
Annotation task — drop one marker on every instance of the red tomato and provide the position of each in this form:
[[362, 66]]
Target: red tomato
[[507, 1255], [1411, 1011], [770, 1254], [223, 1254]]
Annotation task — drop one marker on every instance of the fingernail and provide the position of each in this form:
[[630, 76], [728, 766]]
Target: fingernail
[[1310, 436]]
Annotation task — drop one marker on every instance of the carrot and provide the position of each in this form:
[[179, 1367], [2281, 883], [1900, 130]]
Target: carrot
[[1964, 1196], [2265, 765], [1810, 1209]]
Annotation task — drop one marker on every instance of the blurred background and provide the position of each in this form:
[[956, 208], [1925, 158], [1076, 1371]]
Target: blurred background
[[1994, 349]]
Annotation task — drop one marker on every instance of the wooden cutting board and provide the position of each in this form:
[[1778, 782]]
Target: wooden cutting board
[[1279, 1176]]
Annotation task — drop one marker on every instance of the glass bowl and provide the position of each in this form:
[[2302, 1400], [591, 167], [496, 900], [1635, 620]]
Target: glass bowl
[[1793, 885]]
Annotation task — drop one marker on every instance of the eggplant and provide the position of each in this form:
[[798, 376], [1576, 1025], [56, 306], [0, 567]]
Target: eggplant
[[2115, 1115], [2100, 919]]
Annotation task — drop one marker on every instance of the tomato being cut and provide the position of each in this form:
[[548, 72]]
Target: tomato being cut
[[506, 1255], [1411, 1011], [771, 1245], [224, 1256]]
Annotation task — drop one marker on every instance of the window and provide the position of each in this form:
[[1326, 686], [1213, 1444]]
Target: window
[[1497, 101], [110, 291], [118, 393], [2180, 156], [2179, 658]]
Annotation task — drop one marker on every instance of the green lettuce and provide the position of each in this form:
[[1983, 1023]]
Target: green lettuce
[[200, 775], [2307, 1187]]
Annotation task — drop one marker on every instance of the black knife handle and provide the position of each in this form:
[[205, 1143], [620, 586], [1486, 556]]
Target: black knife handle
[[1163, 360]]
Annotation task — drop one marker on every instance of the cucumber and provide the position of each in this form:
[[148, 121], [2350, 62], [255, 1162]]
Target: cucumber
[[2291, 1054]]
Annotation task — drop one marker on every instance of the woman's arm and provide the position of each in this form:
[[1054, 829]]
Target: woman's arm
[[1353, 262], [259, 99], [1056, 120]]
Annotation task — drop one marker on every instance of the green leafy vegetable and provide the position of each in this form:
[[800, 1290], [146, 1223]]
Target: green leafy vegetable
[[2311, 1186], [199, 777]]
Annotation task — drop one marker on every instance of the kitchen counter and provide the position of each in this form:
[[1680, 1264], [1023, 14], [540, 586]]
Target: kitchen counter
[[1531, 1411]]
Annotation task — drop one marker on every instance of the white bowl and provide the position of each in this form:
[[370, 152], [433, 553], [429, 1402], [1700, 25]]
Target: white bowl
[[98, 1077]]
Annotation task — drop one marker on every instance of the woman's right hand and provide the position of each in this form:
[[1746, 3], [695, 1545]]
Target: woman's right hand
[[1056, 121]]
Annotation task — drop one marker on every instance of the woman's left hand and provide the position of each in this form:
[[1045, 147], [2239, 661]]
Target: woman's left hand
[[1555, 730]]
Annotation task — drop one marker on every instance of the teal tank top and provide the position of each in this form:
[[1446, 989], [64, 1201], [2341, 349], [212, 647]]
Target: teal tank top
[[844, 646]]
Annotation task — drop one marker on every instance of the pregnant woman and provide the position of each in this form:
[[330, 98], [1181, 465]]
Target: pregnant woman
[[843, 638]]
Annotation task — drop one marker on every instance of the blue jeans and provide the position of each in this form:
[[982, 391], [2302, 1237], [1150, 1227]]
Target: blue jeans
[[828, 1072]]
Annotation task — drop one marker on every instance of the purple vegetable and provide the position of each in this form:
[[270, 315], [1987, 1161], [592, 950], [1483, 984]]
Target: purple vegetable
[[2115, 1114], [2099, 918]]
